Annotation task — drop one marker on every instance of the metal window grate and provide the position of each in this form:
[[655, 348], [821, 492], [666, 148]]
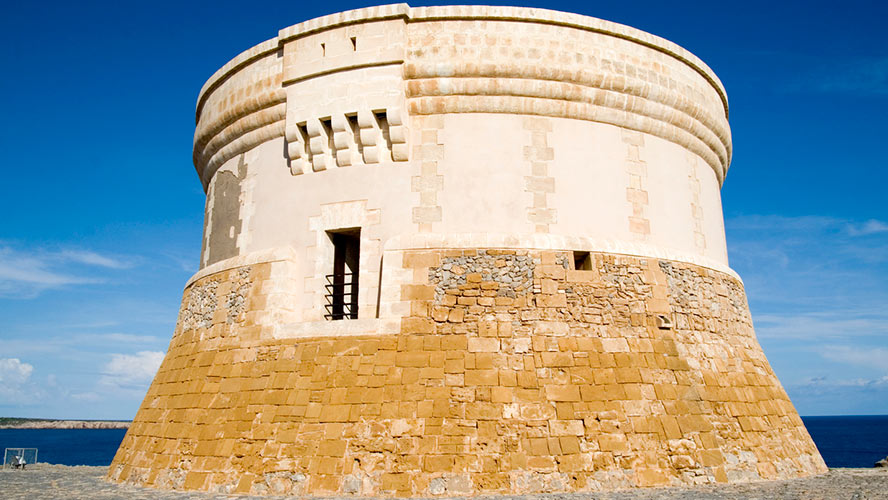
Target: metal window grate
[[341, 296]]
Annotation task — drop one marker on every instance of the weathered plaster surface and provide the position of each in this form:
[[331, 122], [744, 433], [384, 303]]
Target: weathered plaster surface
[[224, 222]]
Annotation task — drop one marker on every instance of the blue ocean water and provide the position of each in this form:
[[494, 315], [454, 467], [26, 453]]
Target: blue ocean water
[[850, 441], [66, 446], [842, 441]]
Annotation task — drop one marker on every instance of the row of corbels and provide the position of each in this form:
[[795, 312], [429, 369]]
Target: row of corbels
[[343, 140]]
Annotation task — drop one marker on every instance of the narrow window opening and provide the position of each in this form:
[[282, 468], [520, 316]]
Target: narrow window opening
[[342, 284], [582, 261], [323, 50], [354, 40]]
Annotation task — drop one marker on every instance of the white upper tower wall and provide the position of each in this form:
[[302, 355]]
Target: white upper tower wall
[[461, 126]]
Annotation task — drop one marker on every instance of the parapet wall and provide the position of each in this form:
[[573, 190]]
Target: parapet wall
[[460, 59]]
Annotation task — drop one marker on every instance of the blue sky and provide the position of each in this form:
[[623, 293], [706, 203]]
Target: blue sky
[[102, 210]]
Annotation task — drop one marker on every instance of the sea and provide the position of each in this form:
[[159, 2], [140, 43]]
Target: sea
[[847, 441]]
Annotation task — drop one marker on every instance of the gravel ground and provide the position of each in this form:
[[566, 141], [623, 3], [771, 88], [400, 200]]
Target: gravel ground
[[50, 482]]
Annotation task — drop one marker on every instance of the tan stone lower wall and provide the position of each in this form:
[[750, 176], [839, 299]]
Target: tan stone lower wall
[[514, 373]]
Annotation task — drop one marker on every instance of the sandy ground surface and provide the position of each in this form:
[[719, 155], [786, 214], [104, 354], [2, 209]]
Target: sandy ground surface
[[50, 482]]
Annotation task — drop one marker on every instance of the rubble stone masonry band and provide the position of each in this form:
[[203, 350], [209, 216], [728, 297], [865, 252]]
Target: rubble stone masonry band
[[532, 205]]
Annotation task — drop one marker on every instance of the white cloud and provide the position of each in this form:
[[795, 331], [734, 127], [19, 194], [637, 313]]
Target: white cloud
[[94, 259], [15, 384], [27, 273], [13, 372], [816, 289], [826, 382], [819, 267], [846, 396], [131, 371], [89, 397], [869, 227], [83, 343], [779, 224], [869, 357], [121, 338], [839, 323]]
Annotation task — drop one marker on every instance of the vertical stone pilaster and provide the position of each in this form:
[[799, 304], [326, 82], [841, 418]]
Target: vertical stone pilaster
[[636, 192], [539, 183], [696, 207], [428, 151]]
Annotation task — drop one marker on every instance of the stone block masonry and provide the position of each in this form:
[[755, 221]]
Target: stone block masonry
[[513, 374]]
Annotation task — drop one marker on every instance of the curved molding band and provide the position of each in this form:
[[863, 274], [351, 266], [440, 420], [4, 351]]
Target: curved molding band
[[245, 103], [565, 100]]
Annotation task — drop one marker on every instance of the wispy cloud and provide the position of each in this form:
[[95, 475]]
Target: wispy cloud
[[807, 224], [826, 382], [89, 397], [818, 326], [121, 338], [184, 261], [875, 358], [859, 76], [94, 259], [820, 74], [26, 273], [131, 372], [817, 290], [824, 395], [871, 226], [780, 222], [786, 252], [89, 342]]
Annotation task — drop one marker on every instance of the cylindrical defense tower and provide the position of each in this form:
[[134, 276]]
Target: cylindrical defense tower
[[460, 251]]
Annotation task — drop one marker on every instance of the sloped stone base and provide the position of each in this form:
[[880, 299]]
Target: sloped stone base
[[514, 373]]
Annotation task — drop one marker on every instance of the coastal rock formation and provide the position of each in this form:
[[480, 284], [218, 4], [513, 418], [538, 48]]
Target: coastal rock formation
[[66, 424], [462, 251]]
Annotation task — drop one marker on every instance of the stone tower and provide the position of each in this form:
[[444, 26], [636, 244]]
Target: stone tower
[[461, 251]]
